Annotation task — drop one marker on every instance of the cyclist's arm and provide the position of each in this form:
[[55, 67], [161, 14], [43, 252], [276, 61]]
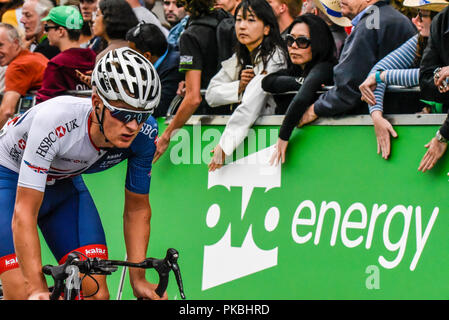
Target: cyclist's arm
[[26, 238], [136, 224]]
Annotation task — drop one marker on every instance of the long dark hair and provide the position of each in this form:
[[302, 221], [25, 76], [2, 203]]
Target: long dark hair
[[321, 38], [118, 18], [421, 45], [263, 11]]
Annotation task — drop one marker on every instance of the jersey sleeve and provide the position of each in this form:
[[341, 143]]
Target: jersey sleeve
[[138, 175], [42, 145]]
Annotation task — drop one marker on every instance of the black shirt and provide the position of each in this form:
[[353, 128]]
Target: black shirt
[[307, 85], [46, 49], [198, 50]]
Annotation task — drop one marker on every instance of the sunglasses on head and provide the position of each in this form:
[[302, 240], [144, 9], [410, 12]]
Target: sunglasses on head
[[302, 42], [125, 115]]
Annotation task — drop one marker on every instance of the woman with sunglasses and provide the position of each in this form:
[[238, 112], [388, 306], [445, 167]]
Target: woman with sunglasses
[[259, 51], [400, 67], [311, 48]]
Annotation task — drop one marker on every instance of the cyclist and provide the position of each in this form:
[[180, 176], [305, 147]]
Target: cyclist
[[44, 151]]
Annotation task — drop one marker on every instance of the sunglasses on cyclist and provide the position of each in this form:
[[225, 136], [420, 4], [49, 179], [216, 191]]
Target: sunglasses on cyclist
[[302, 42], [125, 115]]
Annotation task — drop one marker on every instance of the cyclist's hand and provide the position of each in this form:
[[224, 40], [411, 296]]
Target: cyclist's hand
[[39, 296], [144, 289]]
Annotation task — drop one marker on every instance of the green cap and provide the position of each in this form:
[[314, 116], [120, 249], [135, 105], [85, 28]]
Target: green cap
[[66, 16]]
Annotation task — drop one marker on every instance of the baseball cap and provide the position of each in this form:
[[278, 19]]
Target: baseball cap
[[66, 16]]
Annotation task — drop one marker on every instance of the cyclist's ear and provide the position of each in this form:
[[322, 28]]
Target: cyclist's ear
[[96, 101]]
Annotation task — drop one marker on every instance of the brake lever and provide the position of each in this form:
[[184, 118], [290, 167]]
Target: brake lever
[[172, 261]]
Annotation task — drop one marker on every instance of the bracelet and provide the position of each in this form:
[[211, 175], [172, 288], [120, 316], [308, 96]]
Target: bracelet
[[378, 79]]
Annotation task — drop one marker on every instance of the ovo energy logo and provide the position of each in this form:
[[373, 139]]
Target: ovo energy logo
[[395, 234], [221, 260]]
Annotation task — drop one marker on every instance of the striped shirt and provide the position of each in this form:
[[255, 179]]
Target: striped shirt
[[397, 70]]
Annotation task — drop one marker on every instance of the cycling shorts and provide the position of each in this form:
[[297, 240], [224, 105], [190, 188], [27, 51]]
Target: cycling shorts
[[68, 220]]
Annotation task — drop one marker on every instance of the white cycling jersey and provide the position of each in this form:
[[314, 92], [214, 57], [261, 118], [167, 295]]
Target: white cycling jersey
[[50, 141]]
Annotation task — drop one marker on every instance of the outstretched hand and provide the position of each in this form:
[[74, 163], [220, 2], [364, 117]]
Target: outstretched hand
[[218, 158], [435, 150], [279, 152], [383, 130]]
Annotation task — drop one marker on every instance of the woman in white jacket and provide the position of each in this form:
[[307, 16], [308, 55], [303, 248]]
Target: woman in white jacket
[[260, 50]]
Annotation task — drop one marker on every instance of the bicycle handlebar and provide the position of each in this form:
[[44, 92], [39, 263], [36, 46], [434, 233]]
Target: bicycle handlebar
[[106, 267]]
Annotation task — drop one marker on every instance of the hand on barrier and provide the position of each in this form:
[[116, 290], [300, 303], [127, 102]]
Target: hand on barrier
[[279, 152], [308, 117], [217, 159], [383, 130], [435, 150]]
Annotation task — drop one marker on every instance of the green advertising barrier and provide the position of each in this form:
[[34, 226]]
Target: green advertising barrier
[[336, 221]]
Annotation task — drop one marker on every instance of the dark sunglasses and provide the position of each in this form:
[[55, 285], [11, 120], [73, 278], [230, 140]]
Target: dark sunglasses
[[47, 27], [125, 115], [302, 42], [423, 15]]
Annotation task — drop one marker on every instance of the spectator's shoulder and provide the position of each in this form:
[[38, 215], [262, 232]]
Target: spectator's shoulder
[[26, 60]]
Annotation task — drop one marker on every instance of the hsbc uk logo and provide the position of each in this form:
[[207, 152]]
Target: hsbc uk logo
[[54, 135]]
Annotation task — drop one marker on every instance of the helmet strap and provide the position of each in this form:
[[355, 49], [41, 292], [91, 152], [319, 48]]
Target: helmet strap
[[100, 122]]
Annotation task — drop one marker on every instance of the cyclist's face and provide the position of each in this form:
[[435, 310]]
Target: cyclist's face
[[119, 134]]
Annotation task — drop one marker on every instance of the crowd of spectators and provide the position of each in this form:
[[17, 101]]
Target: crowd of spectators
[[242, 58]]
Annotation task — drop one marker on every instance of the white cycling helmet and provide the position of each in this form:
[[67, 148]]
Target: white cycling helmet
[[126, 75]]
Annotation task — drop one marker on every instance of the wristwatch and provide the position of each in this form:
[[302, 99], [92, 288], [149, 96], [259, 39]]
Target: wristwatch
[[440, 138]]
